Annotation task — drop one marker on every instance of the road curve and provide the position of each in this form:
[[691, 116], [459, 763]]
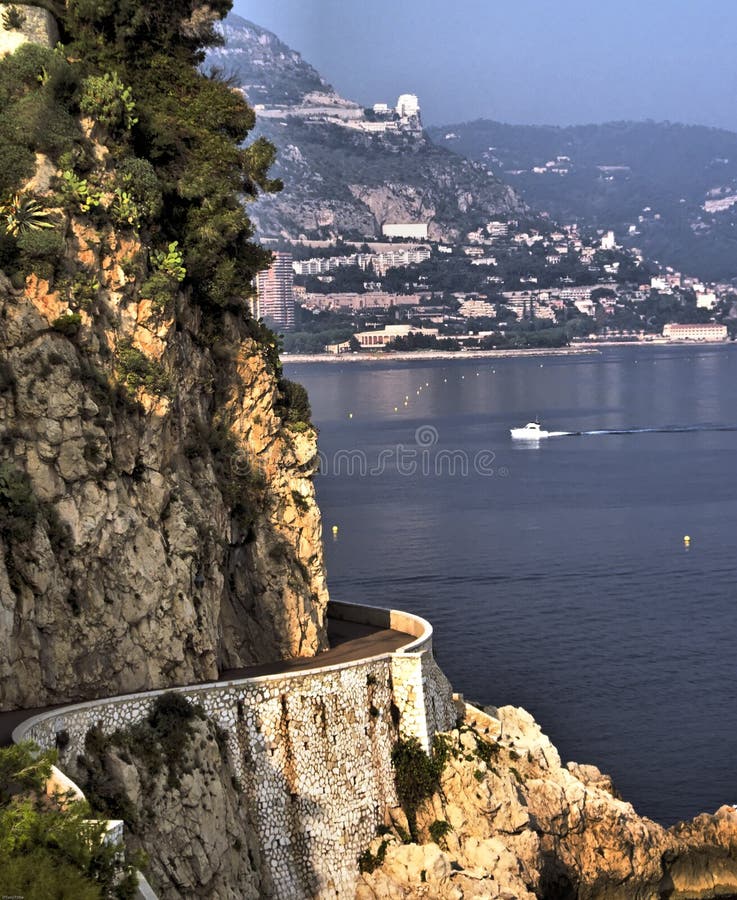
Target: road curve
[[349, 642]]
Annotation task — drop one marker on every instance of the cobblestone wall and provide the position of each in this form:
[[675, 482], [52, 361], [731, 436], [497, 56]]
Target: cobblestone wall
[[311, 748], [38, 27]]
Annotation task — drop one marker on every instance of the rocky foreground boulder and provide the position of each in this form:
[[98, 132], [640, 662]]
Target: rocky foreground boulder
[[509, 820]]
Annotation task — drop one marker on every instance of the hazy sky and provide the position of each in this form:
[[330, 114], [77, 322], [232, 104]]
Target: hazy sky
[[524, 61]]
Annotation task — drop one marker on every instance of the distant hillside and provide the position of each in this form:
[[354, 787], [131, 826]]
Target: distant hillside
[[268, 70], [340, 176], [676, 184]]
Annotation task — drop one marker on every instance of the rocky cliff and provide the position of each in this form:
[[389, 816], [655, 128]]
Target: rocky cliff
[[503, 818], [157, 513], [173, 783], [510, 821], [170, 534]]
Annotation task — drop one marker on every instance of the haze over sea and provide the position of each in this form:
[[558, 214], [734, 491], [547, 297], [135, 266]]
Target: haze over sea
[[556, 575]]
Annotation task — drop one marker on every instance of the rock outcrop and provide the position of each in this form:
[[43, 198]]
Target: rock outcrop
[[164, 525], [183, 808], [510, 821]]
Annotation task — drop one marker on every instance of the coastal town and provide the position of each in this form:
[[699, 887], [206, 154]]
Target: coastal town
[[510, 284]]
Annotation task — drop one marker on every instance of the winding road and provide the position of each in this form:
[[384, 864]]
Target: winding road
[[349, 641]]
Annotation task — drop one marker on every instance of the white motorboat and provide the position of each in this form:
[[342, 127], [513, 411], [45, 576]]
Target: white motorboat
[[531, 432]]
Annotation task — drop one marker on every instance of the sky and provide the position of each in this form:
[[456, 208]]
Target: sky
[[557, 62]]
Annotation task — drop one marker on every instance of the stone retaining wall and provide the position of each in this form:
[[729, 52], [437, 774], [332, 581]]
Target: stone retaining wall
[[312, 748]]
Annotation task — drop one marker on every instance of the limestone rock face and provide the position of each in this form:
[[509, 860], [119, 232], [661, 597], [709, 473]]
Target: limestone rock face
[[522, 826], [38, 26], [174, 530], [196, 832]]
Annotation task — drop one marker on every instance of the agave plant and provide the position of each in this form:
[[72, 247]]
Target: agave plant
[[22, 213]]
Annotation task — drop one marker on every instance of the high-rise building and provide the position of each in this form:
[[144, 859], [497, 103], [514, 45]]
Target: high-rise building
[[275, 289]]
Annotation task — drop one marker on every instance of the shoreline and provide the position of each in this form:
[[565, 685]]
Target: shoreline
[[425, 355], [588, 347]]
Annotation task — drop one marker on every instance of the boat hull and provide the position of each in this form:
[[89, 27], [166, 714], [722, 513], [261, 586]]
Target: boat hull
[[527, 434]]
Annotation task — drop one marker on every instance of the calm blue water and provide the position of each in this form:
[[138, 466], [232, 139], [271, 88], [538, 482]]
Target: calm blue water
[[556, 576]]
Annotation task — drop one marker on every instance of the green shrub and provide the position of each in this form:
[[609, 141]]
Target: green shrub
[[367, 862], [439, 829], [293, 404], [159, 743], [268, 341], [170, 262], [124, 210], [13, 19], [18, 162], [84, 290], [68, 324], [162, 285], [37, 95], [18, 505], [137, 370], [47, 851], [47, 245], [110, 102], [160, 289], [137, 177], [77, 192], [416, 775], [41, 252]]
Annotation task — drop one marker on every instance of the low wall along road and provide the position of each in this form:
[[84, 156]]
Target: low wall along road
[[311, 744]]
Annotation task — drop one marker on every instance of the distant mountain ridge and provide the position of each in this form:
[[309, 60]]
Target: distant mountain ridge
[[676, 185], [253, 53], [345, 171]]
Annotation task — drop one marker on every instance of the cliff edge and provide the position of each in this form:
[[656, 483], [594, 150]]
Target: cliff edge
[[157, 515], [508, 820]]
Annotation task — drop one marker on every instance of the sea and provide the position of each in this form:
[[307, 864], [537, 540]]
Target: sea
[[590, 577]]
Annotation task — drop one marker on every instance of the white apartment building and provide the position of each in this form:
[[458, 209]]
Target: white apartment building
[[382, 337], [477, 309], [706, 300], [497, 229], [485, 261], [381, 262], [322, 265], [708, 331], [275, 289], [395, 259], [608, 242], [408, 106], [414, 230]]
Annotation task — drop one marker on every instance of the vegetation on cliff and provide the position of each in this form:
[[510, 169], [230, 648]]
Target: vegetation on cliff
[[175, 168], [49, 845], [493, 813], [150, 449], [175, 766]]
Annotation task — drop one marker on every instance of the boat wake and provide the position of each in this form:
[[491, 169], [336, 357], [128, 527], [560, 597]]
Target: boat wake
[[666, 429]]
